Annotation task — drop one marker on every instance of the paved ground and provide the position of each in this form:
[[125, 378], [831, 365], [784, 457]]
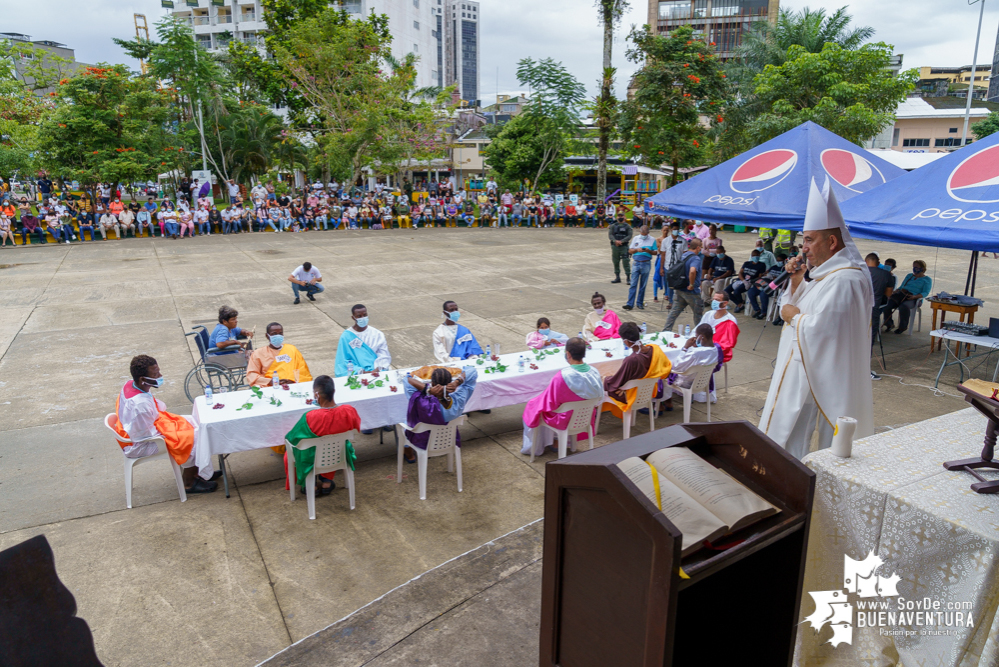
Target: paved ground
[[235, 581]]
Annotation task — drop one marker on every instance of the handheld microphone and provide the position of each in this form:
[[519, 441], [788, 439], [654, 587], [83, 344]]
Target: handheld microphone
[[779, 281]]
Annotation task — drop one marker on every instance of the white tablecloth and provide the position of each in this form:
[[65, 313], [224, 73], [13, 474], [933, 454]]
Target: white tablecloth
[[228, 429], [893, 497]]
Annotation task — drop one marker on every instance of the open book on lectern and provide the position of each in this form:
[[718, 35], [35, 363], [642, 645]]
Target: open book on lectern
[[704, 502]]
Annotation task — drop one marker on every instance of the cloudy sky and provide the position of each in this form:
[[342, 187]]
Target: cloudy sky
[[927, 32]]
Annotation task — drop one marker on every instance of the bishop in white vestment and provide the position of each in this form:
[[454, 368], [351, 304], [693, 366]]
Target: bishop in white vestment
[[823, 362]]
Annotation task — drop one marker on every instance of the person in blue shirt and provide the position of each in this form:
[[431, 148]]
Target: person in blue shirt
[[226, 335], [85, 220], [915, 286], [440, 401], [689, 294]]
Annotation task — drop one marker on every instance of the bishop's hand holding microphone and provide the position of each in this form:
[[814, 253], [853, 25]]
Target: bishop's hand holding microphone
[[792, 269]]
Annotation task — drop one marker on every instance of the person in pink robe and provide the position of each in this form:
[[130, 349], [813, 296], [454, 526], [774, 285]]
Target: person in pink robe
[[601, 323], [578, 382]]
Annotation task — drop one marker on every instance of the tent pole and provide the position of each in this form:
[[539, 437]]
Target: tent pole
[[974, 275], [971, 266]]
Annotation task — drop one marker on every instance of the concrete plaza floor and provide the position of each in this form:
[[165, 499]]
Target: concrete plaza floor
[[234, 581]]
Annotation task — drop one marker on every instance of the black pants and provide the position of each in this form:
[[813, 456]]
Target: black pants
[[895, 303]]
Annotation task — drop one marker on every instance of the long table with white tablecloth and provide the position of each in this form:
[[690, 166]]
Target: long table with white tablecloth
[[234, 428]]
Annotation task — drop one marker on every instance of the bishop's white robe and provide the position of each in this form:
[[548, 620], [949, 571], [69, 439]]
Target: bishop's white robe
[[823, 368]]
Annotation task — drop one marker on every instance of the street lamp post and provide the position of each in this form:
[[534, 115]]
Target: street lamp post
[[974, 68]]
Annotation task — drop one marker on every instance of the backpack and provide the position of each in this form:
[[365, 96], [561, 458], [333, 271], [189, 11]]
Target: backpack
[[677, 275]]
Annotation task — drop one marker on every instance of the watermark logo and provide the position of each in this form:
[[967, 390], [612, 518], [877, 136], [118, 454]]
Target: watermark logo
[[864, 602]]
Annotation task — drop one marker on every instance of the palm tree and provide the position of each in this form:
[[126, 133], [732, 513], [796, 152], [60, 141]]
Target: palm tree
[[767, 44], [610, 12], [251, 142]]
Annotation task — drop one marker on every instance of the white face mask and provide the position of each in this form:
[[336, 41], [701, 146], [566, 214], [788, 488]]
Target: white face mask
[[599, 311]]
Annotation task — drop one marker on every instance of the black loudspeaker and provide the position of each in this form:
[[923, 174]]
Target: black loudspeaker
[[994, 327]]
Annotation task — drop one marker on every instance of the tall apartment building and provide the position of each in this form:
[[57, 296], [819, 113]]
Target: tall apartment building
[[413, 25], [720, 21], [459, 47]]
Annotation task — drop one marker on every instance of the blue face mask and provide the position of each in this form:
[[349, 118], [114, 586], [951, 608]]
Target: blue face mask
[[545, 332], [720, 255], [156, 382], [362, 321], [453, 315], [715, 304], [277, 340]]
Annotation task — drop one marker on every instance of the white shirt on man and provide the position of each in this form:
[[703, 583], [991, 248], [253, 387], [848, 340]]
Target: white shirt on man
[[306, 276]]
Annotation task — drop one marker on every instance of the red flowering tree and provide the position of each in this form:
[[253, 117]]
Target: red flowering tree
[[680, 93], [108, 126]]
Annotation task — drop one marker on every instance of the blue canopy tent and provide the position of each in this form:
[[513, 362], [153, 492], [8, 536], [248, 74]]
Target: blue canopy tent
[[768, 185], [950, 203]]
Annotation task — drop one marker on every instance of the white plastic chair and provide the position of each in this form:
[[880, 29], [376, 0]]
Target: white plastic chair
[[580, 422], [646, 389], [331, 455], [916, 311], [161, 452], [442, 442], [701, 380]]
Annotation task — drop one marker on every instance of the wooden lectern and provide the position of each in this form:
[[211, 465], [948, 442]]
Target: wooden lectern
[[612, 591]]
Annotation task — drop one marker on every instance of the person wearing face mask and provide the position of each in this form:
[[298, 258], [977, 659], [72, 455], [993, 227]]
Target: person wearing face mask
[[700, 350], [671, 247], [438, 402], [915, 286], [142, 417], [328, 419], [720, 267], [643, 362], [749, 272], [722, 323], [758, 299], [277, 357], [578, 382], [601, 323], [767, 257], [543, 336], [361, 344], [452, 341]]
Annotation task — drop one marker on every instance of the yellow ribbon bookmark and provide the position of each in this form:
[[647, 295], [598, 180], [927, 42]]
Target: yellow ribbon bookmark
[[659, 502]]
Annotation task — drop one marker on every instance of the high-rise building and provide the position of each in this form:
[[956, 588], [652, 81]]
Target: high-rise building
[[993, 94], [459, 47], [720, 21], [412, 24]]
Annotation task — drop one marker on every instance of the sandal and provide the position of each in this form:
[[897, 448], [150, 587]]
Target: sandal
[[324, 490]]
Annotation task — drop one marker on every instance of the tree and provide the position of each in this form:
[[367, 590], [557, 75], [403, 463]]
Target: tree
[[250, 139], [851, 93], [767, 43], [20, 113], [985, 127], [680, 81], [610, 12], [108, 126], [547, 127], [39, 69]]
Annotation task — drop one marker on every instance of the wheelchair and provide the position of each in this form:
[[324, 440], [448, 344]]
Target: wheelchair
[[222, 372]]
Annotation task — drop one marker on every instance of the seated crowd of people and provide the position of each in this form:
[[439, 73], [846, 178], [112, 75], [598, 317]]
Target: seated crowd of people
[[262, 209]]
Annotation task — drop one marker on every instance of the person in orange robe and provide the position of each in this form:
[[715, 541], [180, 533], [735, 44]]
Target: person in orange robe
[[645, 362], [141, 418]]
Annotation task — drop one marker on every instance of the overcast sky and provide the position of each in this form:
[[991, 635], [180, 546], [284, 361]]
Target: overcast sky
[[927, 32]]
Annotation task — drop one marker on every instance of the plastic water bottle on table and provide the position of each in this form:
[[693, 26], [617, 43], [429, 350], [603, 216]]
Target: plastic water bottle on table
[[521, 364], [208, 394]]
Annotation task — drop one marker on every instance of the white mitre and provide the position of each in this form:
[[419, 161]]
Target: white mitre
[[823, 213]]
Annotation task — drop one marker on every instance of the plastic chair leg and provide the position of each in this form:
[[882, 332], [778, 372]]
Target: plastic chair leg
[[400, 449], [450, 461], [590, 435], [534, 441], [349, 474], [652, 417], [128, 482], [178, 474], [687, 399], [563, 443], [292, 479], [421, 463], [310, 493], [457, 465], [709, 406], [627, 424], [725, 368]]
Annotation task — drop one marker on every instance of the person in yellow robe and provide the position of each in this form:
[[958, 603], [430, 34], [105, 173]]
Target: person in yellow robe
[[644, 362], [277, 357]]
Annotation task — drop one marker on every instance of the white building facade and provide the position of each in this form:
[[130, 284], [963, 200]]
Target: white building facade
[[412, 24]]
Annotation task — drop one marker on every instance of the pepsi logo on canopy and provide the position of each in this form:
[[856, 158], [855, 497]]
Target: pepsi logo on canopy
[[763, 171], [975, 179], [851, 170]]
